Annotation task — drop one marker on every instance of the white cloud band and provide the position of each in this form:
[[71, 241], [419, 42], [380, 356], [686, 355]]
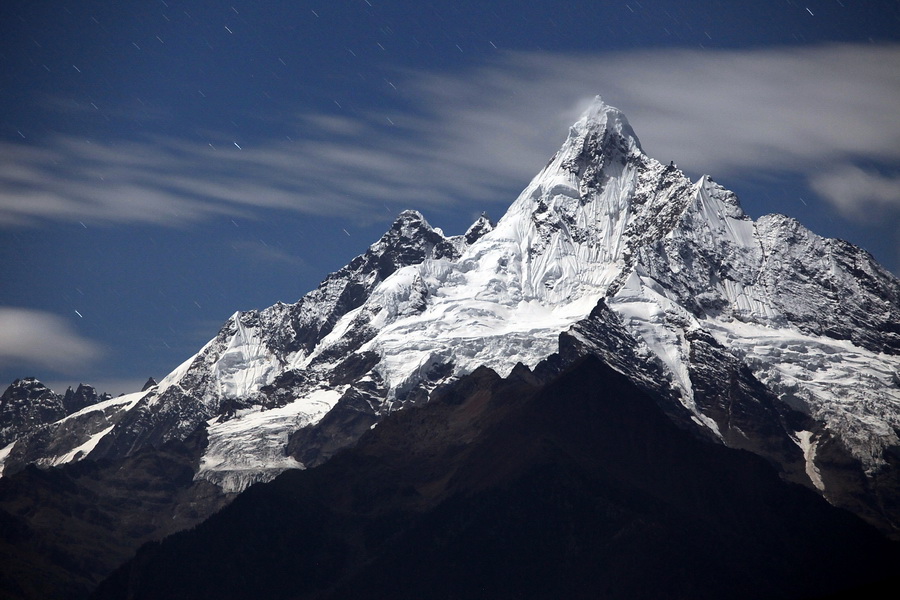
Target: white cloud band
[[477, 135]]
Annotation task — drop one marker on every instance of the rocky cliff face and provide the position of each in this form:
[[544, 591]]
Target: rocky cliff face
[[26, 405]]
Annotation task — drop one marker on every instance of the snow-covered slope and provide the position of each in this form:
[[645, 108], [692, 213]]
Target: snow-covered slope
[[759, 334], [816, 320]]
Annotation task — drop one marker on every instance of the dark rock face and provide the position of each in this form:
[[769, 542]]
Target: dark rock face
[[748, 414], [578, 487], [351, 417], [151, 424], [82, 397], [597, 151], [874, 497], [477, 230], [26, 405]]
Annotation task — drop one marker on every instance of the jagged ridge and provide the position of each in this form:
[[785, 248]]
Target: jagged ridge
[[604, 244]]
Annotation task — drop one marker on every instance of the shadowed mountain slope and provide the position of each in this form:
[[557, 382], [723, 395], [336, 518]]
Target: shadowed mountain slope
[[577, 487], [63, 530]]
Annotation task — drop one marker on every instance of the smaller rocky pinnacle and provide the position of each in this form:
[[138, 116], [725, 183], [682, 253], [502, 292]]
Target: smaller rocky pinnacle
[[150, 383], [480, 227]]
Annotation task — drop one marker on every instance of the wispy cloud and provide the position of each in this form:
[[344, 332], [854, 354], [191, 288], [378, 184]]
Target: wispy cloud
[[260, 252], [163, 181], [860, 194], [803, 109], [40, 338], [475, 136]]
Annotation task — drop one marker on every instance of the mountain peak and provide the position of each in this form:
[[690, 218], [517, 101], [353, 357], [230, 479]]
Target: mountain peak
[[480, 227], [409, 226], [695, 292], [410, 240], [411, 217], [601, 118], [82, 396], [583, 218], [600, 146], [27, 404], [29, 383]]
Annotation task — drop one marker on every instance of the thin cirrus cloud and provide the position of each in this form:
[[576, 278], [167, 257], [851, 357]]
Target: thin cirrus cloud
[[862, 194], [476, 135], [40, 338], [260, 252]]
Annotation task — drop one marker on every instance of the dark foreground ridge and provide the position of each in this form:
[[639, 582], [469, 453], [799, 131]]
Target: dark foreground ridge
[[63, 530], [575, 487]]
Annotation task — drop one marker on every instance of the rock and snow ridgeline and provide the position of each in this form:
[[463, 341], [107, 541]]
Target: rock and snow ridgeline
[[814, 320]]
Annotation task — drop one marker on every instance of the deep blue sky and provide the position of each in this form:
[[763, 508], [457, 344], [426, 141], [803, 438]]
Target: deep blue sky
[[163, 164]]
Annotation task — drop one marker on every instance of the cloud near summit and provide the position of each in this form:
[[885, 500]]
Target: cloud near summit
[[475, 136], [811, 110]]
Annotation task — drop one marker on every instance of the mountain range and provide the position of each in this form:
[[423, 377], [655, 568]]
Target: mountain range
[[755, 340]]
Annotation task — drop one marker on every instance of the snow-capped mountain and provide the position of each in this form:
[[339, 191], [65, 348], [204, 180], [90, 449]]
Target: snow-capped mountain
[[758, 334]]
